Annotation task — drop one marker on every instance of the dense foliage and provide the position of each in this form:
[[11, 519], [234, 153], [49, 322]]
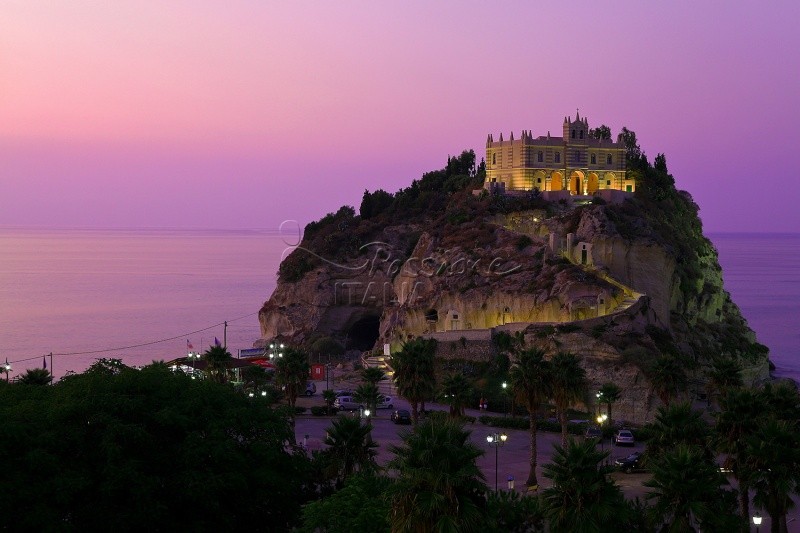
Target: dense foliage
[[117, 449]]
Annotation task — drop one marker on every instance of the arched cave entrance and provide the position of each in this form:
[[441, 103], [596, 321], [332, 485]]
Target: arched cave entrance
[[363, 333]]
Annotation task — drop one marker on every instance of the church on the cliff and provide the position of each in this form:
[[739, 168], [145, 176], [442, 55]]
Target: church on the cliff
[[574, 162]]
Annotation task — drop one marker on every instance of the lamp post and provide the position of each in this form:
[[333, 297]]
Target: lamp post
[[275, 350], [496, 440], [505, 407], [756, 521], [7, 369], [600, 420]]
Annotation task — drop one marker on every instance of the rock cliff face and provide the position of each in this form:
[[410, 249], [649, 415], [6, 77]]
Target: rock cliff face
[[619, 285]]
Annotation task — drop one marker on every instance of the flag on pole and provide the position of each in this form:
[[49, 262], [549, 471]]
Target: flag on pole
[[216, 342], [189, 345], [44, 362]]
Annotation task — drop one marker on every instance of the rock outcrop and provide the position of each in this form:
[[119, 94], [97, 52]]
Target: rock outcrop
[[618, 284]]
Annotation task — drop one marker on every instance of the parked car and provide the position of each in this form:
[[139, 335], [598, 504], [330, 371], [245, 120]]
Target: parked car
[[344, 392], [385, 403], [311, 388], [631, 463], [623, 437], [593, 433], [347, 403], [401, 416]]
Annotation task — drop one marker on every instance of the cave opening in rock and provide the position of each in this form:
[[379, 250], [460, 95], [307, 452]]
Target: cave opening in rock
[[364, 332]]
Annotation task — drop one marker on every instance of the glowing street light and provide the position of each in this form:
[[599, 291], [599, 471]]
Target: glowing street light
[[757, 521], [496, 440], [7, 369], [275, 350]]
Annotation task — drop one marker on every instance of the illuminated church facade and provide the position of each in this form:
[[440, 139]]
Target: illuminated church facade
[[573, 162]]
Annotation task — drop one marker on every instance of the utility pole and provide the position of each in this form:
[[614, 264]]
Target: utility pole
[[51, 367], [225, 336]]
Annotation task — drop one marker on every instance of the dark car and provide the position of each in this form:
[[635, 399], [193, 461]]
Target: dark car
[[593, 433], [632, 463], [401, 416]]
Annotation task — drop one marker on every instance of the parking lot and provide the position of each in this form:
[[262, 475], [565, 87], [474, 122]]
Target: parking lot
[[512, 458]]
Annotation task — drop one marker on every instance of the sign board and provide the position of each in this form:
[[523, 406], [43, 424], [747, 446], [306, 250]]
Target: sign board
[[253, 352], [386, 350]]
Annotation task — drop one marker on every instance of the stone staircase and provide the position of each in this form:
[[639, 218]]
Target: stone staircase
[[381, 361]]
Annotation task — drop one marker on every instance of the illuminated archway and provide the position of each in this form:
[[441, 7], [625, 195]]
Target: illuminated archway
[[556, 181], [576, 182], [592, 184]]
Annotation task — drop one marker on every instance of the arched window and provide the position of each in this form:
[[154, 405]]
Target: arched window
[[540, 156], [594, 159], [494, 159], [608, 159], [581, 134], [558, 157], [573, 134]]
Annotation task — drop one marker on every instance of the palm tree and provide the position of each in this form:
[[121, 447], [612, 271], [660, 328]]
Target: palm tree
[[217, 359], [667, 378], [350, 447], [439, 486], [456, 392], [686, 491], [608, 394], [291, 373], [530, 384], [369, 395], [373, 375], [583, 497], [738, 421], [329, 396], [414, 372], [724, 374], [774, 463], [569, 386], [36, 376], [678, 424]]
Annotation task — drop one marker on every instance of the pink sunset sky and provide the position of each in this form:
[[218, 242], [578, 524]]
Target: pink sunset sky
[[242, 114]]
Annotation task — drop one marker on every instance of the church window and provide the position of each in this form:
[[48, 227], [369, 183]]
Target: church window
[[558, 157], [573, 134], [540, 156], [538, 180], [608, 182], [608, 159], [594, 159], [494, 159], [581, 134]]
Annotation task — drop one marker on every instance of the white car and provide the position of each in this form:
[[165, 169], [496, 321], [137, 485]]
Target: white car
[[385, 403], [347, 403], [623, 437]]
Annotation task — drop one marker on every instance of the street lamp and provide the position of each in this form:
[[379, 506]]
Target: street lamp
[[505, 407], [496, 440], [275, 351], [7, 369], [756, 521], [600, 420]]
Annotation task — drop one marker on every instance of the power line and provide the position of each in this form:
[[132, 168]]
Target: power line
[[104, 350]]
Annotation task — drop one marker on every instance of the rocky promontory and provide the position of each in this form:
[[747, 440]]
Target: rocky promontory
[[619, 280]]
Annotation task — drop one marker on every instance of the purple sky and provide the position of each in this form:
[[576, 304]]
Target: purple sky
[[242, 114]]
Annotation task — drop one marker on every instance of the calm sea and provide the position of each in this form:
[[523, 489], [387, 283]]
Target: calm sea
[[121, 293]]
